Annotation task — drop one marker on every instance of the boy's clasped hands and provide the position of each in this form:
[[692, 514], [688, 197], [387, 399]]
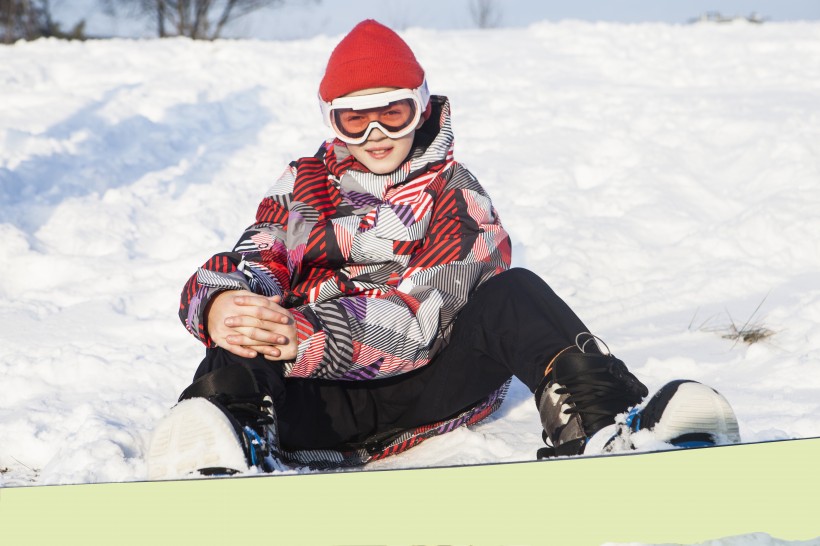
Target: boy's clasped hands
[[248, 324]]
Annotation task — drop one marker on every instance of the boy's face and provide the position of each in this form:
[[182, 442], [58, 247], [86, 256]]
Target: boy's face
[[381, 154]]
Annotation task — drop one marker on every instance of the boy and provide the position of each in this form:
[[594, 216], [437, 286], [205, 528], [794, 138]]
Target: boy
[[372, 305]]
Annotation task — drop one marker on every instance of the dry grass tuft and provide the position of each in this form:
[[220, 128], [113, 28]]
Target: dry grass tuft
[[749, 333]]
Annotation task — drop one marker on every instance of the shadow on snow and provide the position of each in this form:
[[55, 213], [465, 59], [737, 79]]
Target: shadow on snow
[[197, 137]]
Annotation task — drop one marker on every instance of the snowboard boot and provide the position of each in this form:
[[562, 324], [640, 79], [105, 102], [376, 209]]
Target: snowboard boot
[[222, 424], [584, 389], [682, 413]]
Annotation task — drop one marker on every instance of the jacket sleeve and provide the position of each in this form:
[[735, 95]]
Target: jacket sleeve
[[361, 337], [258, 261]]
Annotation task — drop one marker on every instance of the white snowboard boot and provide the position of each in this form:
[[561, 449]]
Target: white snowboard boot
[[683, 413], [221, 425]]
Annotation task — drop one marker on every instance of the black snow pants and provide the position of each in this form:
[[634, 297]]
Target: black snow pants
[[512, 325]]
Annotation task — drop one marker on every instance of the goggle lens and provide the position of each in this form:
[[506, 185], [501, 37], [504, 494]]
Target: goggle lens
[[394, 117]]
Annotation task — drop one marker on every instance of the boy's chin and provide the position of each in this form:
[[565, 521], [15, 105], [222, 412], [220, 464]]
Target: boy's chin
[[381, 166], [382, 169]]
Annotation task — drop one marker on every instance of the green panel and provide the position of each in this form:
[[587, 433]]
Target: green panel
[[678, 496]]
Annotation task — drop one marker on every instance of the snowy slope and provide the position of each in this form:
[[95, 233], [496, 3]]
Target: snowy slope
[[663, 179]]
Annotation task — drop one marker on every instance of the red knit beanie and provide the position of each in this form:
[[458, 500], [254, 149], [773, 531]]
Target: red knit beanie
[[371, 55]]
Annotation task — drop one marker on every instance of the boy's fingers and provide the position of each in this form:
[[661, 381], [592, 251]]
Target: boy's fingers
[[253, 299], [256, 336], [239, 350], [271, 352], [266, 313], [260, 310], [245, 341], [244, 321]]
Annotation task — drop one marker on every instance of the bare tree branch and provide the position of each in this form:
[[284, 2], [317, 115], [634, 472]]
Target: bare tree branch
[[29, 20], [197, 19], [485, 13], [161, 18], [201, 19], [225, 17]]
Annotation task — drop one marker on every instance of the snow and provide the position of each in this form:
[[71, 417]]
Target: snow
[[662, 179], [753, 539]]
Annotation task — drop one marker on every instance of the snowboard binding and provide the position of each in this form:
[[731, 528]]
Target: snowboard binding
[[590, 403], [222, 425]]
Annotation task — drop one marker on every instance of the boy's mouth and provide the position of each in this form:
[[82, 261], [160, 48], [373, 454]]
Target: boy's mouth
[[379, 152]]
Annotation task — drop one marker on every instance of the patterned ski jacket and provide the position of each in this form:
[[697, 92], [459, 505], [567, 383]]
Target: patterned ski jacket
[[373, 267]]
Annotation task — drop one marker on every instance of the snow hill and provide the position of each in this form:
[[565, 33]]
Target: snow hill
[[665, 180]]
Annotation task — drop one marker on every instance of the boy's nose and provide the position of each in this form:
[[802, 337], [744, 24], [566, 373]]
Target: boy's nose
[[376, 135]]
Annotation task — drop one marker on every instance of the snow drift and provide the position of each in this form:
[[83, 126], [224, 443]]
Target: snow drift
[[663, 179]]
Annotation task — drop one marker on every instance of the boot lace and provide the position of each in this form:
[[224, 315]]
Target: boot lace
[[596, 396], [253, 412], [250, 410]]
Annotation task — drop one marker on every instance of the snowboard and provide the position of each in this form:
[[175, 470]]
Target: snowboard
[[686, 495]]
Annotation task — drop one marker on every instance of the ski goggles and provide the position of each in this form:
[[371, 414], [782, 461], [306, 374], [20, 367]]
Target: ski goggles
[[395, 113]]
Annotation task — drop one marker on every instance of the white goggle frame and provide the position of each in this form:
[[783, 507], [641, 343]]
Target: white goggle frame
[[420, 95]]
